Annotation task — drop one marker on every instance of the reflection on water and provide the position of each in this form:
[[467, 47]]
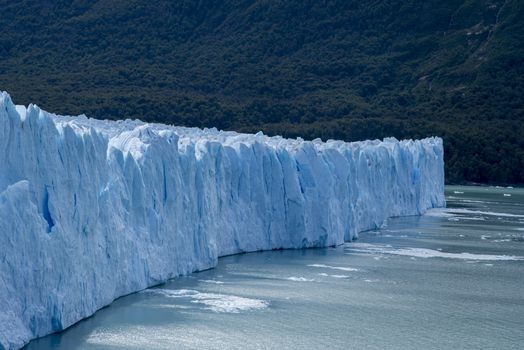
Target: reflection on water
[[449, 279]]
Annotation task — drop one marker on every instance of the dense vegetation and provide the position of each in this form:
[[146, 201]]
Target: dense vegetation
[[345, 69]]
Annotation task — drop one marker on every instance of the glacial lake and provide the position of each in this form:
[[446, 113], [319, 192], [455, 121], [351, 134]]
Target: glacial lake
[[451, 279]]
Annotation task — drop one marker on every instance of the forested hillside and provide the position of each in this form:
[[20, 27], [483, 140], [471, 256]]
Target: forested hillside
[[345, 69]]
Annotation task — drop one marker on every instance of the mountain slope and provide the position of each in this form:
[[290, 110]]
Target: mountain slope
[[332, 69]]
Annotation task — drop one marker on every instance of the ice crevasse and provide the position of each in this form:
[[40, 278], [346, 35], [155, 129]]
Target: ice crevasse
[[91, 210]]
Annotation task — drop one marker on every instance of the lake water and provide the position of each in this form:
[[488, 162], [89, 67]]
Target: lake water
[[452, 279]]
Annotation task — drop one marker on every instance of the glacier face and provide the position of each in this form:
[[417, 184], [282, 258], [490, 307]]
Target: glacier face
[[92, 210]]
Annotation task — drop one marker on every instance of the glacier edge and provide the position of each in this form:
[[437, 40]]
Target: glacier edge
[[91, 210]]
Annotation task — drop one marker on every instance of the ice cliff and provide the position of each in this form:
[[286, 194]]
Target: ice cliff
[[92, 210]]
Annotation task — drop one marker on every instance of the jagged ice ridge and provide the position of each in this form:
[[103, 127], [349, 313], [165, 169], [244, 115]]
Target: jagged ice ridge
[[91, 210]]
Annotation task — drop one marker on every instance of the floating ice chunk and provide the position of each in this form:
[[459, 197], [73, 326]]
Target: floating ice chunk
[[214, 301], [300, 279], [341, 268], [440, 212], [472, 201], [429, 253], [488, 213], [452, 212], [333, 276], [212, 281]]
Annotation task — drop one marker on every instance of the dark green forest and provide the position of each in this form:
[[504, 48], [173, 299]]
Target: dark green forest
[[342, 69]]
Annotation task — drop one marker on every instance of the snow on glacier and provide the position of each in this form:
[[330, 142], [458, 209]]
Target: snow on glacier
[[91, 210]]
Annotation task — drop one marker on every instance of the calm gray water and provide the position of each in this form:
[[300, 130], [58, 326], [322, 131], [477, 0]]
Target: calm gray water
[[452, 279]]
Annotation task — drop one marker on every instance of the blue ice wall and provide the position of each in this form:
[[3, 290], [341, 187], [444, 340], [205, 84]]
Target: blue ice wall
[[92, 210]]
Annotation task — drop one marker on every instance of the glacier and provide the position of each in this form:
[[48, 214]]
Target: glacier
[[92, 210]]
